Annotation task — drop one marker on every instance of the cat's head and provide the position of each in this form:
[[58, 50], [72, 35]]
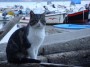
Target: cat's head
[[37, 20]]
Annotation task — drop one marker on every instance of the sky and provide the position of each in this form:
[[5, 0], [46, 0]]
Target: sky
[[33, 0], [20, 0]]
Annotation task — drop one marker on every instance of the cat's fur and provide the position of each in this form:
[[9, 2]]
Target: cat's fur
[[24, 43]]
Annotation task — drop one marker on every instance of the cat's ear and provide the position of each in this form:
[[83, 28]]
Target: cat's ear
[[31, 13]]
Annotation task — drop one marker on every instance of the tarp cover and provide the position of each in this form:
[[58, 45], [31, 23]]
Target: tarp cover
[[76, 1], [72, 26]]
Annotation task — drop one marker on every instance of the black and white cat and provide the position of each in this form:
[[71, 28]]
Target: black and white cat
[[24, 43]]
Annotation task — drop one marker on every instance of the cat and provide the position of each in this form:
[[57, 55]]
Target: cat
[[24, 43]]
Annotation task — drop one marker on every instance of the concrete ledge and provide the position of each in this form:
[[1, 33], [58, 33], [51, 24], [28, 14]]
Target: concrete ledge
[[9, 25], [22, 65], [77, 58], [66, 36], [64, 42], [3, 56], [36, 65], [66, 48]]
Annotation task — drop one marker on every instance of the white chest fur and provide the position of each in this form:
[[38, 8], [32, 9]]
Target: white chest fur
[[36, 36]]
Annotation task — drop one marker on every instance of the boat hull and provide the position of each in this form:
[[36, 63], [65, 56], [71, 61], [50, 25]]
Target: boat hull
[[50, 18], [78, 17]]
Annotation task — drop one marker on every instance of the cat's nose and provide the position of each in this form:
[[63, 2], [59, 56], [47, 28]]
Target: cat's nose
[[39, 24]]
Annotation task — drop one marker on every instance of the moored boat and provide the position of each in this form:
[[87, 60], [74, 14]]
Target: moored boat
[[77, 17]]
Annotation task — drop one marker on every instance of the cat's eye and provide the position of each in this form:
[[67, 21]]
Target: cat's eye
[[33, 22], [43, 21]]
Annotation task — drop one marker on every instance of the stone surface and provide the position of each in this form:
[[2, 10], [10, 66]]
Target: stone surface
[[68, 41], [9, 25], [76, 58], [22, 65], [67, 47]]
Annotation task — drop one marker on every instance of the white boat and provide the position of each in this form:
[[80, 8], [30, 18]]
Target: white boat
[[50, 18], [8, 17], [55, 18], [58, 14]]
